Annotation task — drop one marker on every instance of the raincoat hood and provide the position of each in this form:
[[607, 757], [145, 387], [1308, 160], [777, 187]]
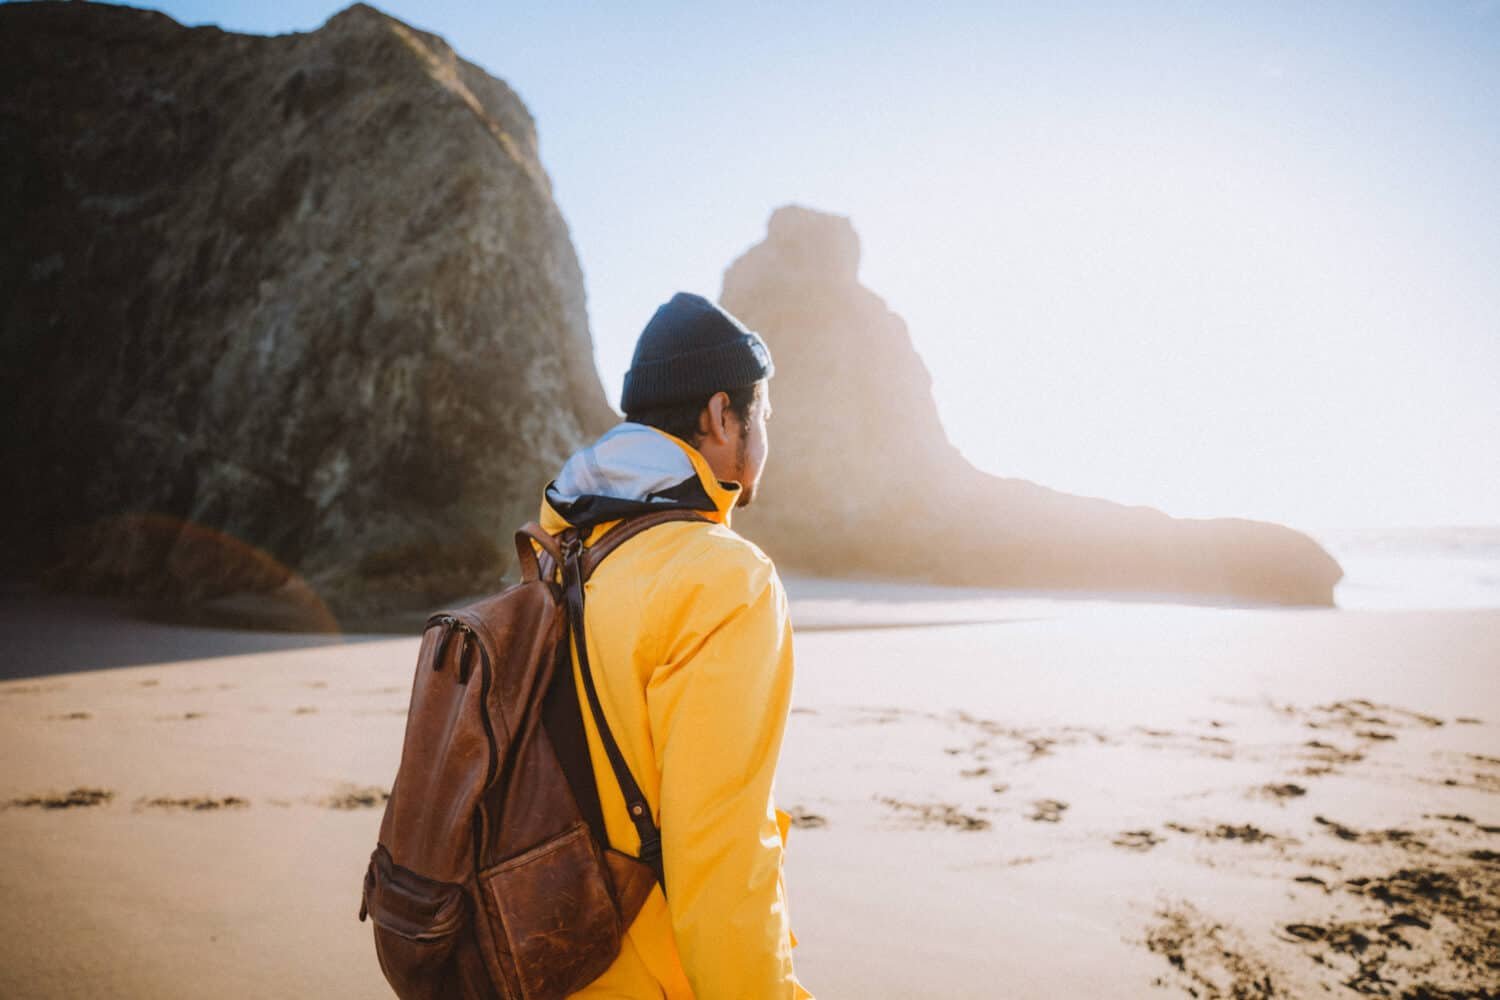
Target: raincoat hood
[[634, 469]]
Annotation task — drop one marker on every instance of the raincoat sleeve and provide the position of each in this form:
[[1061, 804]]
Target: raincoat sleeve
[[718, 706]]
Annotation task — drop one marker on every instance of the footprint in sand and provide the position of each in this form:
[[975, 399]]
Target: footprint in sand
[[1281, 792], [1352, 712], [1040, 746], [75, 798], [1245, 833], [1209, 958], [1136, 840], [1326, 757], [938, 814], [1461, 818], [1396, 940], [197, 803], [1047, 811], [1400, 838], [1305, 932], [804, 820], [353, 797]]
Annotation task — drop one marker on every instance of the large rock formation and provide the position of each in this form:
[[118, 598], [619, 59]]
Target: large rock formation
[[300, 308], [298, 316], [862, 478]]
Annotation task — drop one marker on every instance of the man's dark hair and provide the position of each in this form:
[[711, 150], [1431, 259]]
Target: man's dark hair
[[681, 419]]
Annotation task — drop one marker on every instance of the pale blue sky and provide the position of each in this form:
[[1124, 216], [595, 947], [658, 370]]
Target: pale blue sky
[[1220, 259]]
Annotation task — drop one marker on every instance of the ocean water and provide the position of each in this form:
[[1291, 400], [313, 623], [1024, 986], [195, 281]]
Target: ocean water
[[1418, 567]]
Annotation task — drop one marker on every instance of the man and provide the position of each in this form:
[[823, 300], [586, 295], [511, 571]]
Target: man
[[691, 650]]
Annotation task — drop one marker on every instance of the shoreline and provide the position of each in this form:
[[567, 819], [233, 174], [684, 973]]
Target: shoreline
[[106, 632]]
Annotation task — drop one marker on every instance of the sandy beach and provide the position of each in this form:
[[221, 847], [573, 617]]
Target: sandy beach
[[995, 797], [1160, 335]]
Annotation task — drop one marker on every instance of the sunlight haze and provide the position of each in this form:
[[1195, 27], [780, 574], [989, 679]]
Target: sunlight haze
[[1223, 261]]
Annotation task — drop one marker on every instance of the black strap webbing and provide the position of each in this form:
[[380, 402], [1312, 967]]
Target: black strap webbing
[[635, 800]]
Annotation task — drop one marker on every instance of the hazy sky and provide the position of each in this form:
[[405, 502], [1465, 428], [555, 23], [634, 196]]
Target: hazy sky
[[1219, 259]]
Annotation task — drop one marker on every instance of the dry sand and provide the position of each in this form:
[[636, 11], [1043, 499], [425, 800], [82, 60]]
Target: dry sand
[[1074, 800]]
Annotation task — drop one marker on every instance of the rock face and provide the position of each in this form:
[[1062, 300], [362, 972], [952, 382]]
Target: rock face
[[896, 498], [307, 295]]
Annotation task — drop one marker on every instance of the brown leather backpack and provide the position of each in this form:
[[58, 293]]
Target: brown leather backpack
[[493, 876]]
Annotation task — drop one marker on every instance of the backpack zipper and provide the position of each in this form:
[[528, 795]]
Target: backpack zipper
[[481, 819]]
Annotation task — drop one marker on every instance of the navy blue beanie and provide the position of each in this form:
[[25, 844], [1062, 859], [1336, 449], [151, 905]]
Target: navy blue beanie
[[690, 350]]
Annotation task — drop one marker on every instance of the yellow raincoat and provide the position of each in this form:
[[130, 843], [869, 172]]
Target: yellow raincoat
[[691, 650]]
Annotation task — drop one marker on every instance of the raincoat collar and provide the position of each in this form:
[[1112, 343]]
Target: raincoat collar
[[634, 469]]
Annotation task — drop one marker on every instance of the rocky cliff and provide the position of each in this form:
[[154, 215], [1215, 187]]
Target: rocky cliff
[[862, 478], [289, 314]]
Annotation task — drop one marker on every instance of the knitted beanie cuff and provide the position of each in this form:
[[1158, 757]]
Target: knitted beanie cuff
[[696, 375]]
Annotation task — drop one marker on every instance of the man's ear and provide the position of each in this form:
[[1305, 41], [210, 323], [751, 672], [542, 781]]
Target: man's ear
[[713, 421]]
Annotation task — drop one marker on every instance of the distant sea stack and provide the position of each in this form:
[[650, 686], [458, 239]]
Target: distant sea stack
[[292, 315], [863, 480]]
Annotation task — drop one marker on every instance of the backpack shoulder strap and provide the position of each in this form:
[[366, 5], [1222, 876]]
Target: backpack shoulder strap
[[578, 564], [526, 556], [627, 529]]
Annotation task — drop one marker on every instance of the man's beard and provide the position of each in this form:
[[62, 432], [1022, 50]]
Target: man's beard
[[747, 490]]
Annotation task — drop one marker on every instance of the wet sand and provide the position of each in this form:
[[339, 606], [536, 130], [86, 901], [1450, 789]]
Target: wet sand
[[1075, 799]]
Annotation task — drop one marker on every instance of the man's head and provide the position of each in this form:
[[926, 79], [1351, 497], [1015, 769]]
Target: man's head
[[700, 375]]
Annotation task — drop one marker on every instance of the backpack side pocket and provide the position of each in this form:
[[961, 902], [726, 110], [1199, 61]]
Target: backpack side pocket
[[418, 924]]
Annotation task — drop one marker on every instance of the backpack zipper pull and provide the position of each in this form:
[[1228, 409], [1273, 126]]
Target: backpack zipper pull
[[464, 658], [447, 621]]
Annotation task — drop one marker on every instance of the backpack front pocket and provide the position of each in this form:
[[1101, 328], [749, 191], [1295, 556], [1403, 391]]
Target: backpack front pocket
[[418, 923], [559, 916]]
